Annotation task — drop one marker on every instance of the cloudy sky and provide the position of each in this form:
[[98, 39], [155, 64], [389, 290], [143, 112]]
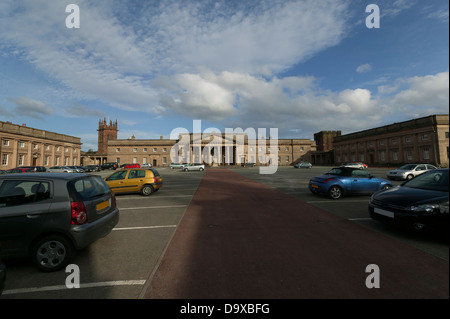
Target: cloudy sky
[[154, 66]]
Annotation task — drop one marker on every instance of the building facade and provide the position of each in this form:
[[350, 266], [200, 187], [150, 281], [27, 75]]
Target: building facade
[[25, 146], [421, 140]]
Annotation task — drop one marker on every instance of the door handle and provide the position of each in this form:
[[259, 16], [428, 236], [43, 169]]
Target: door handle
[[33, 216]]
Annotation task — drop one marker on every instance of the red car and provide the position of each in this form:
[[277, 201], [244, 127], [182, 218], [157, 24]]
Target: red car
[[134, 165]]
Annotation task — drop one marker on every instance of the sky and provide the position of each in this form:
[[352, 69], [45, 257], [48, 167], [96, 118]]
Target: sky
[[155, 66]]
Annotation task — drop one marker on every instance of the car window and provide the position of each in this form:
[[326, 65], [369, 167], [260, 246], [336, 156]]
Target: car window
[[432, 180], [117, 176], [136, 174], [421, 168], [407, 167], [360, 173], [19, 192], [88, 187], [155, 172]]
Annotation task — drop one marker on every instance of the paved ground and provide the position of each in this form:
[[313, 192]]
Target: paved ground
[[236, 240]]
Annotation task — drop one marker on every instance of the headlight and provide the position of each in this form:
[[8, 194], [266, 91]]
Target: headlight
[[425, 208]]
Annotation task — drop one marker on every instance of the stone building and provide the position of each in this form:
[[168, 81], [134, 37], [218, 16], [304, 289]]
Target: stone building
[[421, 140], [25, 146]]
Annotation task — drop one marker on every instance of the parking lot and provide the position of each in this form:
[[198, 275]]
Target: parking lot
[[119, 265]]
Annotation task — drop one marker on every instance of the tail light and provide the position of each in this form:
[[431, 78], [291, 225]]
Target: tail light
[[79, 214]]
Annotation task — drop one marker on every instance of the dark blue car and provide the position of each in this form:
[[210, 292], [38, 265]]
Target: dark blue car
[[342, 181]]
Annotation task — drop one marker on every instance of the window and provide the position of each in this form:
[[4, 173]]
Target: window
[[136, 174], [135, 149], [21, 144], [117, 149], [301, 148], [35, 146], [424, 137], [409, 155], [287, 159], [19, 192], [155, 149], [20, 160], [426, 153], [5, 159], [46, 160], [382, 156], [164, 149], [394, 141], [286, 148], [57, 161], [446, 134], [66, 161], [6, 142], [395, 155], [164, 160], [381, 142], [134, 160], [408, 139], [145, 149], [117, 176]]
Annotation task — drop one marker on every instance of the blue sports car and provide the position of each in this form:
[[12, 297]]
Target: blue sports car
[[347, 180]]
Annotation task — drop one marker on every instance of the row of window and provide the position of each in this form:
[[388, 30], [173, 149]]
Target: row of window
[[36, 146], [21, 160], [251, 149], [393, 141], [382, 155]]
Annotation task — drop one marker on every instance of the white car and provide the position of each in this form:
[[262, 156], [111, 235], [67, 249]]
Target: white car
[[355, 165], [60, 169], [146, 165], [409, 171], [194, 167]]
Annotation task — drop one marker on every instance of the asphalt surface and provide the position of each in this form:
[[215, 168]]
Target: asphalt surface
[[241, 239]]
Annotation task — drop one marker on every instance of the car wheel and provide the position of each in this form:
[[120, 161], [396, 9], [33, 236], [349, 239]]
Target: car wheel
[[185, 169], [410, 176], [386, 186], [335, 192], [52, 253], [147, 190], [201, 169]]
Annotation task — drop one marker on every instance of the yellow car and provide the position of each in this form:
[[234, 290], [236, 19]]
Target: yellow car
[[135, 180]]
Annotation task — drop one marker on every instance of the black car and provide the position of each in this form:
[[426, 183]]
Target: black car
[[420, 203], [111, 165], [248, 164], [48, 216]]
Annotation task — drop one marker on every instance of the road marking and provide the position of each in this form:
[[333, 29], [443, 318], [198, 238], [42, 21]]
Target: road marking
[[145, 227], [86, 285], [337, 201], [152, 207]]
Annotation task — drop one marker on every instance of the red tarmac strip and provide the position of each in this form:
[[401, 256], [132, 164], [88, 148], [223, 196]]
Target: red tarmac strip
[[241, 239]]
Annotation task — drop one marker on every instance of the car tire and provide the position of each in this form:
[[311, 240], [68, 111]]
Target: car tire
[[201, 169], [185, 169], [335, 192], [410, 176], [52, 253], [387, 186], [147, 190]]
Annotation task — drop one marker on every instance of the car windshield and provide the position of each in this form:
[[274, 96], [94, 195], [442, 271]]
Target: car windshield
[[433, 180], [338, 171], [407, 167]]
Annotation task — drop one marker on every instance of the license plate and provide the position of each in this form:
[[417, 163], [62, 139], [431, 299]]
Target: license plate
[[102, 205], [384, 212], [314, 186]]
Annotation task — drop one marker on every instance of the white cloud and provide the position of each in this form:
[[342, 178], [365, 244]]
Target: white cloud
[[30, 107], [363, 68]]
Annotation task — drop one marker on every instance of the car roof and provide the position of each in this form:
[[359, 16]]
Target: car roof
[[60, 176]]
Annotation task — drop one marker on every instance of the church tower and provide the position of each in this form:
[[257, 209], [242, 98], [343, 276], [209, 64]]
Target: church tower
[[105, 133]]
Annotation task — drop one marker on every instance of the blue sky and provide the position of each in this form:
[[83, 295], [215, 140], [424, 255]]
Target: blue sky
[[299, 66]]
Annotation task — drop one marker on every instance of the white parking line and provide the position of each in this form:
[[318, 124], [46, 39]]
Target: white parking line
[[152, 207], [145, 227], [87, 285]]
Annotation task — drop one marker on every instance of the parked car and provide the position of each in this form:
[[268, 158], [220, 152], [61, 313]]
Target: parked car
[[409, 171], [60, 169], [146, 165], [194, 167], [93, 168], [132, 165], [110, 165], [420, 203], [303, 165], [35, 168], [135, 180], [77, 169], [356, 165], [2, 171], [19, 170], [248, 164], [342, 181], [2, 276], [177, 165], [48, 216]]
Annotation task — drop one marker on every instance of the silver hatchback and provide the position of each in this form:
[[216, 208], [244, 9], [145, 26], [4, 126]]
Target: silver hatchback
[[49, 216], [409, 171]]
